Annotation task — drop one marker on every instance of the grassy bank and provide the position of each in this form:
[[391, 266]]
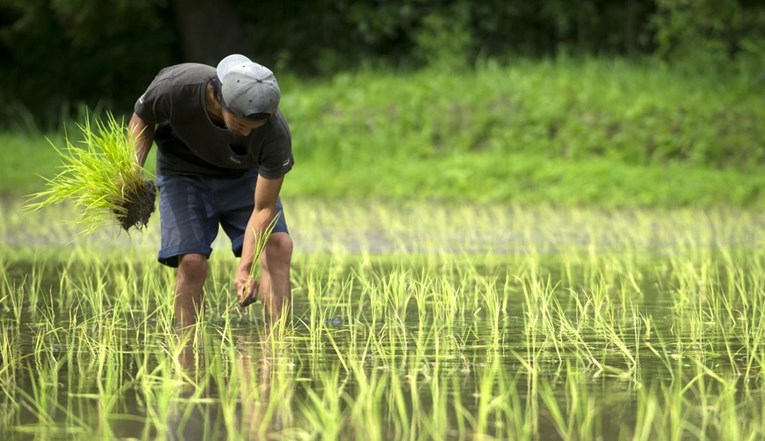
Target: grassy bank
[[594, 132]]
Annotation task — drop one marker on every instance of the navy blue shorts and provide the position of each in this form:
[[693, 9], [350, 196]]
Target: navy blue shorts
[[192, 207]]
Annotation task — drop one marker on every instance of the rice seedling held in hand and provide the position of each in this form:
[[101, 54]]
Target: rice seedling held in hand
[[102, 177], [248, 293]]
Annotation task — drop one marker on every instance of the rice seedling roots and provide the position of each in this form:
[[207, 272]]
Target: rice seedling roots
[[137, 205]]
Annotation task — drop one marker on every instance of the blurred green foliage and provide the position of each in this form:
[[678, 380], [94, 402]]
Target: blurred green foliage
[[636, 113], [565, 131], [55, 54], [710, 34]]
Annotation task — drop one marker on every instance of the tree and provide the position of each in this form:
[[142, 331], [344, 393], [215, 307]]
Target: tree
[[209, 30]]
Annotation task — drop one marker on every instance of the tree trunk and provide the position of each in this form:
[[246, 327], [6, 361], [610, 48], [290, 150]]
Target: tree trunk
[[209, 30]]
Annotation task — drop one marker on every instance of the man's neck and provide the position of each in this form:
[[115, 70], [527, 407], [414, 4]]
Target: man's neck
[[213, 107]]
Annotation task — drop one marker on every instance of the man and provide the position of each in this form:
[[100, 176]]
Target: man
[[223, 148]]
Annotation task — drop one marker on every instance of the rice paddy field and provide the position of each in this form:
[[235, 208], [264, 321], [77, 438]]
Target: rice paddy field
[[421, 321]]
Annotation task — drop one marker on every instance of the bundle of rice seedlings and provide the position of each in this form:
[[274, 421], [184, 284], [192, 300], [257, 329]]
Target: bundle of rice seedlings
[[102, 177]]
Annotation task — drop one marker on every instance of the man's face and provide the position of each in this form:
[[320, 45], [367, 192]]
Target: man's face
[[240, 124]]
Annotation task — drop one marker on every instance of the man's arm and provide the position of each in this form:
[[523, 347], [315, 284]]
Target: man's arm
[[142, 135], [266, 193]]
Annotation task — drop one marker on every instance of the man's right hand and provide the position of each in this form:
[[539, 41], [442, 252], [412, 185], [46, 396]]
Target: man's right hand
[[247, 290]]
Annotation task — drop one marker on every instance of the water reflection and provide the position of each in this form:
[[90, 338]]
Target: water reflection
[[265, 382], [243, 393]]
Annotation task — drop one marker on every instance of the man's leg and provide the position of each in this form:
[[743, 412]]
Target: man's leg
[[190, 279], [275, 289], [189, 225]]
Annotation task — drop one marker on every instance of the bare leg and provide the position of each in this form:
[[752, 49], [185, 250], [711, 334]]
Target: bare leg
[[192, 273], [275, 288]]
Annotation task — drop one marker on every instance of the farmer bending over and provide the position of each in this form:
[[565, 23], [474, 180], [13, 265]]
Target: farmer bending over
[[223, 150]]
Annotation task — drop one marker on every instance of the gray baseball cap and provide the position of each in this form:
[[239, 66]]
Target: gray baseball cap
[[248, 89]]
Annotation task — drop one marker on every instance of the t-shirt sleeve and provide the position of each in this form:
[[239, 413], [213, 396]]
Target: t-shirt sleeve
[[154, 106], [276, 155]]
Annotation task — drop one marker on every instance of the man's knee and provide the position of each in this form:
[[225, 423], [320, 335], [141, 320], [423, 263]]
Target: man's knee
[[192, 265], [279, 249]]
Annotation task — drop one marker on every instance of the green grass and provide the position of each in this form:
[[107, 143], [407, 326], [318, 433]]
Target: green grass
[[567, 132], [28, 158]]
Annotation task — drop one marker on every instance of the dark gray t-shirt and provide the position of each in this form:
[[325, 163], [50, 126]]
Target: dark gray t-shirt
[[188, 142]]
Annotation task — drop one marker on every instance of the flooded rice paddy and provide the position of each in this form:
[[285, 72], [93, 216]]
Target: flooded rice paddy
[[409, 322]]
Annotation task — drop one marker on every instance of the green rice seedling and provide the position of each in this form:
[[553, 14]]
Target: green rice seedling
[[488, 398], [277, 377], [647, 418], [365, 404], [462, 416], [102, 178], [260, 240], [431, 345], [322, 410], [11, 356], [11, 296], [152, 390], [495, 310]]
